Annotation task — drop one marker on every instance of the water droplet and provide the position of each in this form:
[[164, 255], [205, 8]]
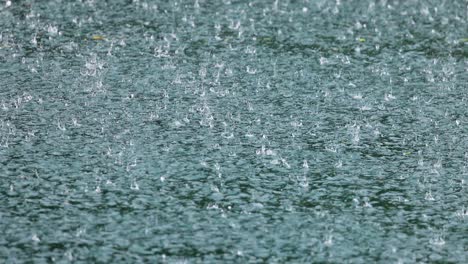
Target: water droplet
[[328, 241], [429, 196], [134, 186], [35, 238], [437, 241]]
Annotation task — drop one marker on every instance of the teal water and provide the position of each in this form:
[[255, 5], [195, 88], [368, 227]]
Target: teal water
[[233, 131]]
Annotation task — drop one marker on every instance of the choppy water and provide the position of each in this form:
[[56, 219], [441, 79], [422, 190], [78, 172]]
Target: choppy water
[[235, 131]]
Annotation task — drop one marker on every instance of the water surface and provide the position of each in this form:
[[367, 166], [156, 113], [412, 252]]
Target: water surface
[[233, 131]]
